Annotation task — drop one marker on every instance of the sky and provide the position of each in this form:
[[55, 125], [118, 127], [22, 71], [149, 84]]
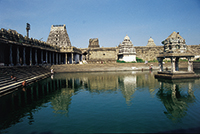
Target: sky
[[108, 20]]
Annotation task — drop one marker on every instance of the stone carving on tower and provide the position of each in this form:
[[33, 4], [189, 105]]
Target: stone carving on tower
[[93, 43], [174, 43], [151, 43], [127, 52], [58, 36]]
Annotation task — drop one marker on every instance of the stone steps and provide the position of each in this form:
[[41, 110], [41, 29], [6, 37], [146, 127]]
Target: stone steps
[[27, 73]]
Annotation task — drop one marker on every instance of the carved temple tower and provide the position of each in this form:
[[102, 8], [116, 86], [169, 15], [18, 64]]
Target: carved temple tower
[[127, 52], [58, 36]]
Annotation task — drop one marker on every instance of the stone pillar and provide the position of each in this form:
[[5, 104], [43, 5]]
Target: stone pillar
[[50, 57], [36, 62], [31, 57], [72, 57], [176, 64], [24, 56], [190, 65], [59, 58], [46, 57], [160, 60], [65, 58], [18, 62], [53, 58], [56, 58], [11, 58], [173, 64], [41, 56], [81, 57]]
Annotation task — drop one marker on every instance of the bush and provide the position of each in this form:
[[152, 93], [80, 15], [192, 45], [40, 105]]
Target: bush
[[139, 60], [119, 61], [154, 60]]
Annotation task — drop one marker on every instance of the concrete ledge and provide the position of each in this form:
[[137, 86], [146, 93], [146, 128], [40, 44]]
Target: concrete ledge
[[177, 75]]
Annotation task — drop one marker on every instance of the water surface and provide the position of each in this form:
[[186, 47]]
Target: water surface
[[102, 102]]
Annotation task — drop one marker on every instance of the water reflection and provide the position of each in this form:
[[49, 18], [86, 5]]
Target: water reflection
[[174, 98], [58, 91], [26, 101]]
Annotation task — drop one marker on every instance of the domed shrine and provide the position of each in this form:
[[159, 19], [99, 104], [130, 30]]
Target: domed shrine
[[127, 52], [151, 43], [175, 48]]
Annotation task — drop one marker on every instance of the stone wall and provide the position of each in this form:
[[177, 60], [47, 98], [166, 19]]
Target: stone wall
[[148, 53], [145, 53]]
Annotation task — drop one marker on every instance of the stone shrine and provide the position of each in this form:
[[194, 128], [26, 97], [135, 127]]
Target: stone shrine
[[151, 43], [127, 52], [175, 48]]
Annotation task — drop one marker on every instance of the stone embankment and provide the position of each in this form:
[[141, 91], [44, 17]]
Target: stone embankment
[[31, 74], [22, 73], [112, 67]]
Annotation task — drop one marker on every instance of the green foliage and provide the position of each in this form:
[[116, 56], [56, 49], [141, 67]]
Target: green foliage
[[139, 60], [182, 60], [119, 61], [154, 60]]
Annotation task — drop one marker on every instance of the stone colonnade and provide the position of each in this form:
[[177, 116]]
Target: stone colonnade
[[175, 64], [23, 55]]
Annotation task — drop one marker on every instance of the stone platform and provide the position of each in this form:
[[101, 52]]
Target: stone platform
[[176, 75]]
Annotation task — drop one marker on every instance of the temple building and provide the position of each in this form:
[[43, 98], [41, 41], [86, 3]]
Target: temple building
[[175, 48], [58, 37], [151, 43], [127, 52]]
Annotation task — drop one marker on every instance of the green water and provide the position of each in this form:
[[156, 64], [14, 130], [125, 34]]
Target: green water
[[130, 102]]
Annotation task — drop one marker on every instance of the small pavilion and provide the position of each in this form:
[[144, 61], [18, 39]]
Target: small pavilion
[[174, 49]]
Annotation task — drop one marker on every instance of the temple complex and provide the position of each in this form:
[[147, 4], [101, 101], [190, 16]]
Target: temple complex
[[127, 52], [151, 43], [17, 49], [175, 48]]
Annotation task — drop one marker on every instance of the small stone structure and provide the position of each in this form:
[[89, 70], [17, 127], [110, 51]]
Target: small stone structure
[[127, 52], [175, 48], [151, 43], [96, 54], [93, 43]]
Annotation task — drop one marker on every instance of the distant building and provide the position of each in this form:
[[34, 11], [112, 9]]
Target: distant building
[[127, 52], [151, 43]]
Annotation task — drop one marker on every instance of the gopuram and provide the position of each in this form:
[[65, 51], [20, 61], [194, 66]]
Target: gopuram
[[175, 48], [127, 52], [58, 37]]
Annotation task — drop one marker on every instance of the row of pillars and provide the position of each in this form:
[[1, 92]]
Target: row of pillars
[[174, 64], [48, 58]]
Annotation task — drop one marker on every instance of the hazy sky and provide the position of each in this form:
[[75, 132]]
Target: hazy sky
[[108, 20]]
